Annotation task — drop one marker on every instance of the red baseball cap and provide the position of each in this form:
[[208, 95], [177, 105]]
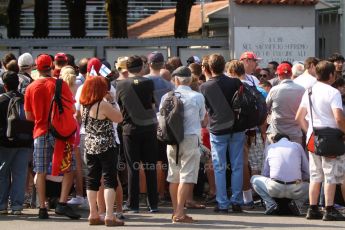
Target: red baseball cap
[[43, 62], [96, 63], [60, 57], [283, 68], [249, 55]]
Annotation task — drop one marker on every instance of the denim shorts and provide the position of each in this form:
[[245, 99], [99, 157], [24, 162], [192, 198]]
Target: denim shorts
[[43, 153]]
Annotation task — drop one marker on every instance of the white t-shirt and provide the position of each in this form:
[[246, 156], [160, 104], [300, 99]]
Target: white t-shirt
[[250, 79], [306, 80], [324, 98]]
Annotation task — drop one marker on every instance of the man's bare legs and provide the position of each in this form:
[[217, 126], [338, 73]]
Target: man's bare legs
[[179, 194], [41, 188]]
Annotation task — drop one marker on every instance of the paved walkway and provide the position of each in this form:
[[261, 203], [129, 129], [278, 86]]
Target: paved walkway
[[207, 219]]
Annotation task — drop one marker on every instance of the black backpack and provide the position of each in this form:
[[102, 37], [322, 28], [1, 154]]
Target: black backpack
[[170, 122], [249, 108], [19, 130]]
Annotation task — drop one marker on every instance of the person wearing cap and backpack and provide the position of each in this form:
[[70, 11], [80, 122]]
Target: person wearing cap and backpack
[[15, 145], [183, 170], [250, 62], [38, 100]]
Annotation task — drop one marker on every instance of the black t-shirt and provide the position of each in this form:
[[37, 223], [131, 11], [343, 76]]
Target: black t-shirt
[[135, 98], [218, 93]]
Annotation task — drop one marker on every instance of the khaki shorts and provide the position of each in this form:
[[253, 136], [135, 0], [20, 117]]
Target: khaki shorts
[[188, 161], [329, 170]]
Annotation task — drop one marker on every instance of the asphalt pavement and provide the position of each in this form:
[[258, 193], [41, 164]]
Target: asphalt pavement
[[207, 219]]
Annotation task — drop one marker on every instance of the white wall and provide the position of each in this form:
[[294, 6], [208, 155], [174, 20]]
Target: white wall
[[276, 43]]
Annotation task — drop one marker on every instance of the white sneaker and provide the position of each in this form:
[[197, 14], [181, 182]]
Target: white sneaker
[[84, 205], [76, 200]]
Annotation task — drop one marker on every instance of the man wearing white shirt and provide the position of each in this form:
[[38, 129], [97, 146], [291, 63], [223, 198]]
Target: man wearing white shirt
[[284, 172], [327, 111], [308, 78]]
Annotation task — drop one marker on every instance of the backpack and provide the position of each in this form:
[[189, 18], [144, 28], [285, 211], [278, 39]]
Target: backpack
[[170, 121], [24, 82], [19, 130], [61, 122], [249, 107]]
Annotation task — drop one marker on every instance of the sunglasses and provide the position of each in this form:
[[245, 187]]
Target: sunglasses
[[263, 75]]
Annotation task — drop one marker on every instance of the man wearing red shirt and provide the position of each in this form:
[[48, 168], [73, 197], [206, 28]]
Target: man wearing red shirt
[[38, 97]]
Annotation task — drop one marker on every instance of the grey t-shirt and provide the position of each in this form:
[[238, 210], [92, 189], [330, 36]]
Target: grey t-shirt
[[161, 87], [283, 100]]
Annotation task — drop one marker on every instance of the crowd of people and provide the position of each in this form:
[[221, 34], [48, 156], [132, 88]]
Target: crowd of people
[[115, 153]]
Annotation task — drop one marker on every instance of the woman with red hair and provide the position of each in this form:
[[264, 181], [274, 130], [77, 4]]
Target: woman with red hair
[[98, 116]]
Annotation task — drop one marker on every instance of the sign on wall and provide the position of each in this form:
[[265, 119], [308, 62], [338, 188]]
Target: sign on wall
[[276, 43]]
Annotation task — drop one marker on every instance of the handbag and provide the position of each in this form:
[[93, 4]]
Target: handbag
[[326, 142]]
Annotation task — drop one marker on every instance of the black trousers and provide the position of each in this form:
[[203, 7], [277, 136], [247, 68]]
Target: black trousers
[[141, 148], [104, 164]]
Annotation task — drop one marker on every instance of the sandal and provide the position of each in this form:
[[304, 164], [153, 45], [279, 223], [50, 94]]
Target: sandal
[[96, 221], [183, 219], [194, 205], [113, 222], [210, 199]]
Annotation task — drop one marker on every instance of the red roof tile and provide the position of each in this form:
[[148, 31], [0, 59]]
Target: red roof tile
[[161, 24], [277, 2]]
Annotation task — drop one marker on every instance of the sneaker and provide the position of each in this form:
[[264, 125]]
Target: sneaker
[[294, 208], [220, 210], [249, 205], [272, 210], [338, 207], [236, 208], [153, 210], [78, 200], [43, 213], [184, 219], [313, 214], [120, 216], [3, 212], [84, 205], [125, 208], [333, 215], [65, 210], [16, 212]]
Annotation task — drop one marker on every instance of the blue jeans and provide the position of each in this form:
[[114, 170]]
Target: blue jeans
[[13, 172], [233, 144]]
